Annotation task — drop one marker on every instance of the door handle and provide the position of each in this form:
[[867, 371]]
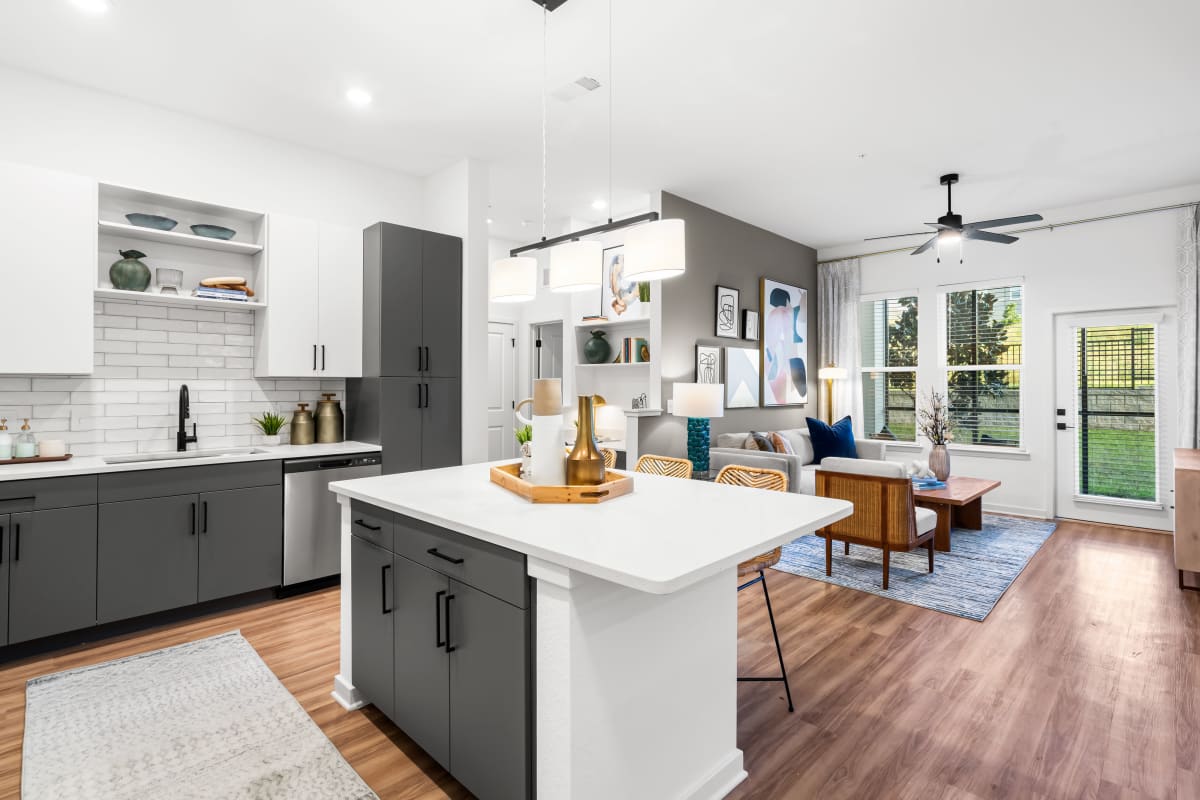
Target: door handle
[[204, 520], [362, 524], [314, 358], [433, 551], [322, 358], [426, 358], [383, 579], [17, 542], [449, 647], [420, 359], [193, 519], [437, 619]]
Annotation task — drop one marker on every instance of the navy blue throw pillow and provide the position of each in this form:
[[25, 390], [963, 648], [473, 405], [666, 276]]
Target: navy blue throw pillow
[[832, 441]]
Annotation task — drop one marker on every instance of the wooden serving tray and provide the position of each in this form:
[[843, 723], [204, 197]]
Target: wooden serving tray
[[34, 460], [509, 476]]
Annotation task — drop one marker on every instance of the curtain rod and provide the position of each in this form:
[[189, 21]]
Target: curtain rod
[[1048, 227]]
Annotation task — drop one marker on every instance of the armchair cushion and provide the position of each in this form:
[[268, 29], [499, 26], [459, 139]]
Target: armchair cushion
[[832, 441], [926, 519], [863, 466]]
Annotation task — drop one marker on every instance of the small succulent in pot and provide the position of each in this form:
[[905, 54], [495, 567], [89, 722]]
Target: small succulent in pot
[[270, 424]]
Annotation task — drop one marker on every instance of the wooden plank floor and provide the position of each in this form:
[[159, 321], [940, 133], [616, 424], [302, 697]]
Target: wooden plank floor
[[1083, 682]]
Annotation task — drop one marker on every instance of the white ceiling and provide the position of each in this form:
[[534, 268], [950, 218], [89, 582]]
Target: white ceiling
[[760, 110]]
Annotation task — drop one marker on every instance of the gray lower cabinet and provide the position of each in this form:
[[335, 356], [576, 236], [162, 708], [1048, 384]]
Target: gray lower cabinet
[[420, 621], [371, 600], [147, 556], [52, 572], [5, 560], [240, 540], [441, 424]]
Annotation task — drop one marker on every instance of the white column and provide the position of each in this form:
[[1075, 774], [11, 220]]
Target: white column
[[343, 683]]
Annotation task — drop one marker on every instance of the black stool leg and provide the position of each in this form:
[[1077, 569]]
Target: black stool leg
[[778, 650]]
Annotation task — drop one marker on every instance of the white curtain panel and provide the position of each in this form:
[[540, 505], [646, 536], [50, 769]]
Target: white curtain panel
[[1188, 261], [839, 286]]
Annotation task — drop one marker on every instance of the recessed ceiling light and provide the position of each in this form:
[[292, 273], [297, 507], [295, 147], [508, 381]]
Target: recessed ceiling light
[[489, 220], [96, 7], [358, 97], [599, 204]]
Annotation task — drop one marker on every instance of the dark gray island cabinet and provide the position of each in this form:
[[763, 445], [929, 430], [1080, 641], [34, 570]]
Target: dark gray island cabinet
[[442, 645]]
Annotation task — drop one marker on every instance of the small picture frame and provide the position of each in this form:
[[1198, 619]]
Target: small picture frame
[[750, 325], [708, 364], [727, 312]]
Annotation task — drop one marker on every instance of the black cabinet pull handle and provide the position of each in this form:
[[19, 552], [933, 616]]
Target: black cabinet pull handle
[[427, 368], [322, 358], [437, 619], [449, 647], [204, 521], [383, 579], [1, 544], [362, 524], [17, 542], [335, 464], [426, 405], [433, 551], [420, 359], [314, 358], [193, 519]]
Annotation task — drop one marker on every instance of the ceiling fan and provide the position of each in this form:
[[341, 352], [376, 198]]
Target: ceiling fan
[[950, 228]]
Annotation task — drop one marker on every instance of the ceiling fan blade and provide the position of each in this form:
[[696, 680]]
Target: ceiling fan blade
[[939, 226], [896, 236], [930, 243], [988, 236], [997, 223]]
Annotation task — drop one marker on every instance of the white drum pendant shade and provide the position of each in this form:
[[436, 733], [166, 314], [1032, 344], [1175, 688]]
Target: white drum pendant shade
[[655, 251], [513, 280], [576, 266]]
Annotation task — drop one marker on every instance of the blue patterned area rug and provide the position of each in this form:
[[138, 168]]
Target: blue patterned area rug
[[966, 582]]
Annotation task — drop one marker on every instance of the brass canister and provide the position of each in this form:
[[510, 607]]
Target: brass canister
[[330, 421], [585, 464], [302, 425]]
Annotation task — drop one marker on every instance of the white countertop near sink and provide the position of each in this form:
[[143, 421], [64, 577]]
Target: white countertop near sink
[[91, 465]]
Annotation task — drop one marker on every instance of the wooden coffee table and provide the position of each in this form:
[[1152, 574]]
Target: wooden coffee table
[[959, 504]]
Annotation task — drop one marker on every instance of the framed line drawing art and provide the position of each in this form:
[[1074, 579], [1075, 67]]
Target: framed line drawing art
[[708, 364], [727, 312], [750, 324], [784, 344]]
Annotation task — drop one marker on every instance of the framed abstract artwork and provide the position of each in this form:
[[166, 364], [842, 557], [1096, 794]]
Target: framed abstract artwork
[[708, 364], [741, 377], [784, 344], [750, 325], [727, 312], [619, 298]]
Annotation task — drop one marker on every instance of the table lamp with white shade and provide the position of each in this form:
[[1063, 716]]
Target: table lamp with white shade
[[699, 402], [829, 374]]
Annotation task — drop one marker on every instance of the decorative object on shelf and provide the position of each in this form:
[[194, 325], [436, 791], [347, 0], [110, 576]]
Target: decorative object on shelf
[[270, 424], [130, 274], [619, 298], [830, 373], [330, 422], [934, 423], [585, 464], [614, 484], [546, 429], [302, 425], [750, 324], [169, 280], [784, 344], [727, 312], [24, 445], [224, 288], [51, 448], [6, 440], [524, 436], [597, 349], [155, 221], [643, 291], [214, 231], [708, 364], [741, 377], [698, 402], [640, 402], [635, 350]]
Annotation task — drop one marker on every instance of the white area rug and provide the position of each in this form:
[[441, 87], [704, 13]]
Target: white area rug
[[205, 719]]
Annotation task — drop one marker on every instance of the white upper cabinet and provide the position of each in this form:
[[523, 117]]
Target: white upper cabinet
[[312, 326], [47, 270]]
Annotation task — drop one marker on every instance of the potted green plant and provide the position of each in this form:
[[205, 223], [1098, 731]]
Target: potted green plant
[[270, 424], [524, 437]]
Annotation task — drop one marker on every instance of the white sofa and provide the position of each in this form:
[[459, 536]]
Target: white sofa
[[800, 468]]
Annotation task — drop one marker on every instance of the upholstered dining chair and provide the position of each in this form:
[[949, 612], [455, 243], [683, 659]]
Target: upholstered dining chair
[[664, 465], [773, 479], [884, 515]]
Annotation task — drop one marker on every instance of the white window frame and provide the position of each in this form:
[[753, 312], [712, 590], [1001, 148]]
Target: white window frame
[[943, 383], [864, 370]]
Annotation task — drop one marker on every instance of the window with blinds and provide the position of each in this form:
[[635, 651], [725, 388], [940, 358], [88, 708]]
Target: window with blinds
[[888, 337], [1117, 425], [984, 360]]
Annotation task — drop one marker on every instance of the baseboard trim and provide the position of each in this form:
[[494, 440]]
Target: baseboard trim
[[346, 695], [721, 781], [1017, 511]]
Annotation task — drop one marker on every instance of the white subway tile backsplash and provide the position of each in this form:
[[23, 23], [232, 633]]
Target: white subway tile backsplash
[[34, 398], [134, 335], [136, 409], [163, 348], [196, 314], [135, 359], [134, 310], [215, 362], [195, 338], [15, 384], [111, 346], [153, 324]]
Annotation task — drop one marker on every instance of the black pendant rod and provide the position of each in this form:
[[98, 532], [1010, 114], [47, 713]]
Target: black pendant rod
[[650, 216]]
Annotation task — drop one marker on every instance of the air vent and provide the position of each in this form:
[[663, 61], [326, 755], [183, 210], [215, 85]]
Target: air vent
[[576, 88]]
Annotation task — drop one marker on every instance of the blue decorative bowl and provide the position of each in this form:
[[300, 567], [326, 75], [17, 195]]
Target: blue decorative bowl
[[151, 221], [214, 231]]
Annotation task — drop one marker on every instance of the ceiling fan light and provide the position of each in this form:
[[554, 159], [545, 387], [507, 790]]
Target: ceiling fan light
[[949, 237], [656, 251], [576, 266], [512, 280]]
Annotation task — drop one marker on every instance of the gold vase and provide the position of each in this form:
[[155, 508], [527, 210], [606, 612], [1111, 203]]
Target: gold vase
[[585, 464]]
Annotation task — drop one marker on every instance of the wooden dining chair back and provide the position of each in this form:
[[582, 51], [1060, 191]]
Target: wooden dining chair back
[[772, 480], [610, 457], [667, 466]]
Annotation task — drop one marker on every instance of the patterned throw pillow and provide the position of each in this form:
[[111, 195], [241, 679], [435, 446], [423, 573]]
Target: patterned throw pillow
[[759, 441], [781, 444]]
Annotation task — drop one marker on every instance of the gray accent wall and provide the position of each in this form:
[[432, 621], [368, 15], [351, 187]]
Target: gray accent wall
[[725, 251]]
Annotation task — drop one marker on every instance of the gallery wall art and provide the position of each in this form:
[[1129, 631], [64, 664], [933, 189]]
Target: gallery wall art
[[784, 344], [727, 312], [619, 298], [708, 364], [741, 377], [750, 325]]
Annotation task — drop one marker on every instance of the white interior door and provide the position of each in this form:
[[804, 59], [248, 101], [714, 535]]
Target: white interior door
[[502, 382], [547, 351], [1115, 387]]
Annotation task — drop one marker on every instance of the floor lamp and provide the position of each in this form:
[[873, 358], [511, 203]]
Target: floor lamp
[[830, 373], [698, 402]]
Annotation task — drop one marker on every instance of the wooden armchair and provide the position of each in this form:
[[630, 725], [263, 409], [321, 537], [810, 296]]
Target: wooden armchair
[[884, 515]]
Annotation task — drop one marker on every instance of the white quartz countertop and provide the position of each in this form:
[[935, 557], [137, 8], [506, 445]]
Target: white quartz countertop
[[668, 534], [91, 465]]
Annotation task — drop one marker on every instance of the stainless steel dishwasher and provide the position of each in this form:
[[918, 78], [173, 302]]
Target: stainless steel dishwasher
[[312, 520]]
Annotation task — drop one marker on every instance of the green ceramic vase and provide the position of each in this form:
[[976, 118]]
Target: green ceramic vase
[[597, 350], [129, 273]]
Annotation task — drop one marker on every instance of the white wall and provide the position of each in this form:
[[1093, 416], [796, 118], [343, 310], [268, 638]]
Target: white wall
[[1116, 264]]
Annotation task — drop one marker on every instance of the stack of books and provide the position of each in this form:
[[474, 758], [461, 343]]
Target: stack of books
[[926, 484], [213, 293], [635, 350]]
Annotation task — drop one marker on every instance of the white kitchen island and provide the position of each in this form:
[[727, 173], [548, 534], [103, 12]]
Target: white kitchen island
[[635, 603]]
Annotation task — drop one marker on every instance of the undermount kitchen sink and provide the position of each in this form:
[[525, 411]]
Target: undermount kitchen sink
[[190, 454]]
